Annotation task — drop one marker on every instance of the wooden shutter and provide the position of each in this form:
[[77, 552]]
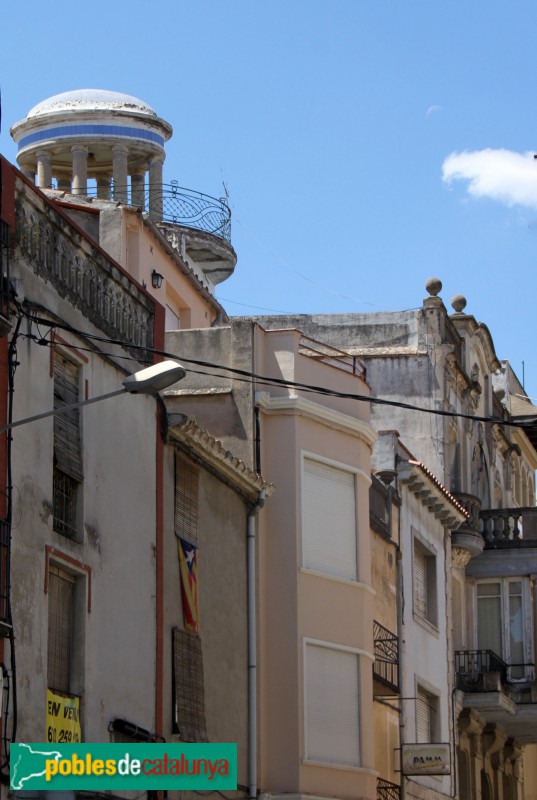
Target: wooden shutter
[[67, 443], [186, 499], [188, 691], [60, 629], [420, 581], [332, 684], [423, 716], [489, 617], [329, 520]]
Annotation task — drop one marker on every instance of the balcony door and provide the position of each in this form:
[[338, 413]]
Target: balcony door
[[502, 622]]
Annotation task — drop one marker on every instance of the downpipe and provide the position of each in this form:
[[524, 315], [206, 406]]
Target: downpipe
[[252, 647]]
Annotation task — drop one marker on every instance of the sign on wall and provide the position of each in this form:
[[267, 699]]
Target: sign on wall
[[63, 718], [425, 759]]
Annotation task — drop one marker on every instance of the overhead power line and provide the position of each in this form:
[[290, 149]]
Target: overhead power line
[[266, 380]]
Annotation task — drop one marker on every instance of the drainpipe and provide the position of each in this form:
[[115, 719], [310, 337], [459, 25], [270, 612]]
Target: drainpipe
[[252, 649]]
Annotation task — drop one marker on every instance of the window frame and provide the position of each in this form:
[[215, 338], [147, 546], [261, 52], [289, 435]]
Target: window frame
[[359, 655], [505, 627], [429, 554], [307, 563]]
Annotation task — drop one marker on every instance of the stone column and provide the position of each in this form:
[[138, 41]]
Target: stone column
[[138, 188], [120, 170], [80, 169], [64, 184], [28, 173], [44, 169], [103, 187], [155, 187]]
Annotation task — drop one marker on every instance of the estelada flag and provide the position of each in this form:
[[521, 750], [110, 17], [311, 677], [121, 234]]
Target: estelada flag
[[188, 565]]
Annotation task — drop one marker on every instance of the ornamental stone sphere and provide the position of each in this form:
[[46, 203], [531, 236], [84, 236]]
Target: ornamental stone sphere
[[434, 286]]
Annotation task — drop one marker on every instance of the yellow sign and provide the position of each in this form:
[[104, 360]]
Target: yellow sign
[[63, 718]]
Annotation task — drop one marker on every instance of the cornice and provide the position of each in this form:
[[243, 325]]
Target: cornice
[[211, 452], [432, 493], [300, 406]]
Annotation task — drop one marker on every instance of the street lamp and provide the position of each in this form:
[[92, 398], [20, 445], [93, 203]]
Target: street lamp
[[150, 380]]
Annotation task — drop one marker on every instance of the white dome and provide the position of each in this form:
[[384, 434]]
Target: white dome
[[91, 100]]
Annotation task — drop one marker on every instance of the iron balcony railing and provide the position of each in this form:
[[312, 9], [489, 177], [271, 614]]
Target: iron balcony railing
[[386, 651], [173, 204], [472, 665], [387, 790], [332, 356]]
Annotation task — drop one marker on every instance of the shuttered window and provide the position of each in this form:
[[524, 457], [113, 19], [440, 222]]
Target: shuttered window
[[426, 713], [332, 687], [329, 520], [424, 580], [67, 472], [60, 629], [501, 623], [188, 692], [67, 444], [186, 499]]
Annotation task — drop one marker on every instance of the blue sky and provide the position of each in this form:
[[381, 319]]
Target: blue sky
[[361, 141]]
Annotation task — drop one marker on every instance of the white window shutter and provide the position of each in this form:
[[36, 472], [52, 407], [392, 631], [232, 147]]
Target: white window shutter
[[332, 706], [329, 520]]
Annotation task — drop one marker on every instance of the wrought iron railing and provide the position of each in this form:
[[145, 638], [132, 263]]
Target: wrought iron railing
[[386, 651], [176, 205], [509, 527], [472, 665], [387, 790], [4, 269]]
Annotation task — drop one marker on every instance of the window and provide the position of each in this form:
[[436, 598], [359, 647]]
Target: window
[[329, 520], [332, 705], [427, 727], [67, 471], [501, 618], [188, 692], [61, 590], [424, 577]]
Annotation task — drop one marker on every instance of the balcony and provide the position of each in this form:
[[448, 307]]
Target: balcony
[[494, 689], [505, 528], [387, 790], [386, 664]]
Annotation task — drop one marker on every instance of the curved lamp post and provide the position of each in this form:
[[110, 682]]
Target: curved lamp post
[[150, 380]]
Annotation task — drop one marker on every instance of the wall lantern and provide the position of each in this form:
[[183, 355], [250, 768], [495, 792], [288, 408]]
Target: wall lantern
[[156, 279]]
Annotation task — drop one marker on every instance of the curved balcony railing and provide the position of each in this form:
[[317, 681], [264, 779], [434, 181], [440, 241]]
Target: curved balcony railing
[[173, 204]]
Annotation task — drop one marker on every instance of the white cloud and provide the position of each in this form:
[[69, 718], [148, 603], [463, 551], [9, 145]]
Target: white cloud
[[502, 175], [433, 109]]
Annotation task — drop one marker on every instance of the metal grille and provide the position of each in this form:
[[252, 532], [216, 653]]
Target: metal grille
[[188, 691], [65, 491], [386, 665], [60, 627], [186, 499], [387, 790]]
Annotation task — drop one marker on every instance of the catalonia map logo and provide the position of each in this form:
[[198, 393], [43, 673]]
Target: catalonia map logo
[[97, 767]]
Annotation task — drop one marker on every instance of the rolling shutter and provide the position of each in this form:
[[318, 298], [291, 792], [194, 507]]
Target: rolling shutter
[[188, 691], [420, 581], [186, 500], [329, 520], [60, 627], [332, 706], [67, 444], [423, 717]]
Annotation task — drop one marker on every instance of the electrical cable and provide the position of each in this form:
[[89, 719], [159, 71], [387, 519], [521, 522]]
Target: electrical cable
[[266, 380]]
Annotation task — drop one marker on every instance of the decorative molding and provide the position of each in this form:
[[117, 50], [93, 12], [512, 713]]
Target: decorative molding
[[431, 493], [300, 406]]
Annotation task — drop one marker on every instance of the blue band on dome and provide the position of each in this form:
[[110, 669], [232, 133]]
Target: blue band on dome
[[90, 130]]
